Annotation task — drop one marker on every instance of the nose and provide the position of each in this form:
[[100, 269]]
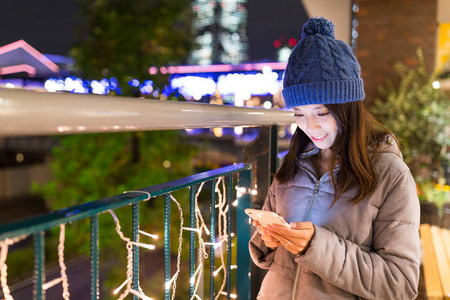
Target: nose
[[312, 124]]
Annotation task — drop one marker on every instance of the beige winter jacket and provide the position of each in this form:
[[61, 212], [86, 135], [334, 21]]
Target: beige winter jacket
[[366, 251]]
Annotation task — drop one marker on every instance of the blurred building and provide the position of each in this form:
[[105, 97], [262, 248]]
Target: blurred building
[[21, 65], [220, 32]]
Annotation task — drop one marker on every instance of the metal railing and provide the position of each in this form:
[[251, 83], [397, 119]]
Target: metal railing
[[37, 227], [26, 113], [32, 113]]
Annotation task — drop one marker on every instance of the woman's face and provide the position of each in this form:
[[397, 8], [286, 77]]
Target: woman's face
[[318, 123]]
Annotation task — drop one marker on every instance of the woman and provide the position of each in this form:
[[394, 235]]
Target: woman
[[349, 198]]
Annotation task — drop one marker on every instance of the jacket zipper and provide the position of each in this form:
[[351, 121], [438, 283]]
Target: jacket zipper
[[297, 274]]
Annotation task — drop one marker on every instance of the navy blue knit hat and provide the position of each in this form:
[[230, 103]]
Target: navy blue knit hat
[[321, 69]]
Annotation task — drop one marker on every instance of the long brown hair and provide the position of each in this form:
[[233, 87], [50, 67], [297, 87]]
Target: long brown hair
[[356, 144]]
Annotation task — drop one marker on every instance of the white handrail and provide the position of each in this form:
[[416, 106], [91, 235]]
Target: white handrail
[[37, 113]]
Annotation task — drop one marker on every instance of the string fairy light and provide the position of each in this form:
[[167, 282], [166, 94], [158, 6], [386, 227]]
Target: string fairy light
[[129, 246], [223, 236], [4, 246], [117, 290], [62, 265], [180, 246], [199, 224], [217, 271], [129, 258], [216, 245], [198, 215], [153, 236], [226, 294], [200, 228], [4, 253], [140, 295]]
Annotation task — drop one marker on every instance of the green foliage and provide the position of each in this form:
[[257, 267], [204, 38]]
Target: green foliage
[[439, 194], [90, 167], [419, 115], [123, 39]]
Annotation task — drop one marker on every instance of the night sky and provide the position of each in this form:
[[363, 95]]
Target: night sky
[[50, 26], [267, 20]]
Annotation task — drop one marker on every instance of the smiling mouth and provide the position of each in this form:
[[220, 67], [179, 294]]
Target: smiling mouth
[[318, 138]]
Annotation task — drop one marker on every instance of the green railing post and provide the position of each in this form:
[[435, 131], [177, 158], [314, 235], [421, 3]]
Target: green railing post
[[212, 237], [167, 246], [192, 241], [229, 238], [135, 238], [94, 258], [243, 275], [39, 266]]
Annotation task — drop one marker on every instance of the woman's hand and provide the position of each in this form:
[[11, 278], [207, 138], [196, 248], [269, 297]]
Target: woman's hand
[[268, 239], [295, 239]]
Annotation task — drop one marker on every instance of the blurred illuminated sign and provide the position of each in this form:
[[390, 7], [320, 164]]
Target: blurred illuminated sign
[[443, 51]]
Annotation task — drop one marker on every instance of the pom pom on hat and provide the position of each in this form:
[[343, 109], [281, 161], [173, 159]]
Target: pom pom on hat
[[321, 69], [318, 26]]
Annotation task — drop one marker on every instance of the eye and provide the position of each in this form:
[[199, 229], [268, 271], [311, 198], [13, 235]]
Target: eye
[[298, 115], [324, 114]]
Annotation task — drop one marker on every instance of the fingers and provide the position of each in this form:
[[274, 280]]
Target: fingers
[[265, 235], [295, 239], [256, 223], [272, 246], [295, 231], [291, 243], [268, 239]]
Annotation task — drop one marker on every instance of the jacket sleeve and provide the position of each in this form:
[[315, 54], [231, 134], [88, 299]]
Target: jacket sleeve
[[260, 254], [388, 271]]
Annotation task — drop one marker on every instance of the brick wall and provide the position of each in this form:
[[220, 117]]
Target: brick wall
[[391, 31]]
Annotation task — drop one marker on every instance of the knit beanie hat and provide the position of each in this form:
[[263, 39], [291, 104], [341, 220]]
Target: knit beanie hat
[[321, 69]]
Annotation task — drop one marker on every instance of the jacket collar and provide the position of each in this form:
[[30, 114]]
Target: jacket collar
[[313, 150], [305, 162]]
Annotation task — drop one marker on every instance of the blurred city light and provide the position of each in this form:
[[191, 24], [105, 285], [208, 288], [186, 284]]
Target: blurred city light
[[436, 85]]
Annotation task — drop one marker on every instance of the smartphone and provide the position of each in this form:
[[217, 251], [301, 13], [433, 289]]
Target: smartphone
[[265, 217]]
